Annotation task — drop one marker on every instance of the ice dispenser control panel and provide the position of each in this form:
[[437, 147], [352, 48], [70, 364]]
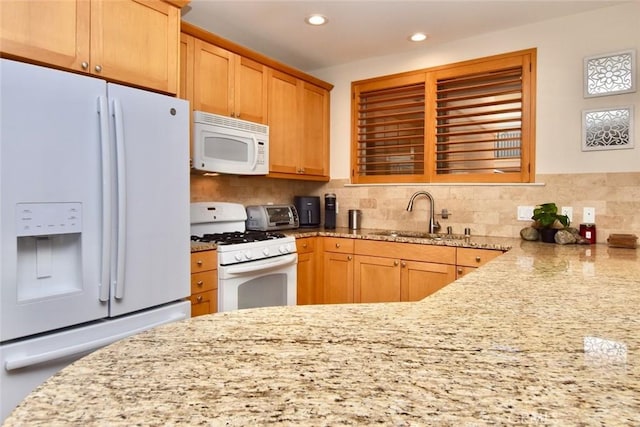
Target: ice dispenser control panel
[[39, 219]]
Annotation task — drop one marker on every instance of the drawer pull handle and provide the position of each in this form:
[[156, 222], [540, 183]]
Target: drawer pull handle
[[349, 257], [395, 263], [478, 259], [459, 271], [199, 262], [199, 298], [404, 264], [304, 246], [200, 283], [337, 245]]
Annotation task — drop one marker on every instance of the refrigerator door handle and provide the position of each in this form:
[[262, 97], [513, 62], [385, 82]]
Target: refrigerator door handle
[[103, 116], [47, 356], [122, 199]]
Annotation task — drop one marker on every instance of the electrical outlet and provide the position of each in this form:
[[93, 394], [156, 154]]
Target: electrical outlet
[[525, 213], [568, 211], [589, 215]]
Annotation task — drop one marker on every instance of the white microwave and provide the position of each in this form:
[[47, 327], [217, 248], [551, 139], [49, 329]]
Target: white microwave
[[229, 145]]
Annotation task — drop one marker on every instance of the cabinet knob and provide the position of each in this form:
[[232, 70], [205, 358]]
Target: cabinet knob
[[403, 264], [84, 65], [200, 283], [478, 259], [199, 298], [98, 68], [459, 271], [395, 263], [199, 262], [337, 245], [349, 257], [304, 246]]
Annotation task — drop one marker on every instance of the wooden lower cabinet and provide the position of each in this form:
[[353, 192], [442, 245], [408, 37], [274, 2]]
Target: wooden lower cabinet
[[337, 271], [204, 282], [379, 279], [307, 291], [468, 259]]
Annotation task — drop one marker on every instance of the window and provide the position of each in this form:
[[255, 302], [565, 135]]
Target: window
[[465, 122]]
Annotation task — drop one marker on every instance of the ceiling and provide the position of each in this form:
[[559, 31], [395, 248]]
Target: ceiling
[[360, 29]]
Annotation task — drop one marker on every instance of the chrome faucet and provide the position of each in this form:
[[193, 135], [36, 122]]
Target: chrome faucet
[[433, 224]]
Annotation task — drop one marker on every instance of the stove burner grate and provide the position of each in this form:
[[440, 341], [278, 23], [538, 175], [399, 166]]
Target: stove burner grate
[[237, 237]]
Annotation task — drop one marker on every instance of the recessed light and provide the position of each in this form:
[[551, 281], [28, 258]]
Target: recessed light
[[316, 19], [418, 37]]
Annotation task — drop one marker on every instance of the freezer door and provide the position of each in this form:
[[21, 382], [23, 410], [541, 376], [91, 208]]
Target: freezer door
[[25, 364], [151, 243], [51, 199]]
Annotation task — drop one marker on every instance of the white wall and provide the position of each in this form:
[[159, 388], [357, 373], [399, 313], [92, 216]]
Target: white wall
[[562, 44]]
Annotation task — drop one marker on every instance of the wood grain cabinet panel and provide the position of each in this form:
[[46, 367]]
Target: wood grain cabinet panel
[[298, 128], [204, 282], [129, 41], [308, 292]]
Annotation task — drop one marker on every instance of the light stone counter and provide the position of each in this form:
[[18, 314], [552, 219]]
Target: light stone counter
[[542, 335]]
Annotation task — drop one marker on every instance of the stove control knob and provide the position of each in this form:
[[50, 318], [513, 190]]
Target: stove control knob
[[248, 255], [238, 257], [284, 249], [265, 251]]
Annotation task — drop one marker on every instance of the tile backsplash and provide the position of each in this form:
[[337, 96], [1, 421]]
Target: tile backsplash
[[487, 209]]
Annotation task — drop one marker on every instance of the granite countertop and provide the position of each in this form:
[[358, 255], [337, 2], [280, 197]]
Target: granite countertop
[[542, 335], [497, 243]]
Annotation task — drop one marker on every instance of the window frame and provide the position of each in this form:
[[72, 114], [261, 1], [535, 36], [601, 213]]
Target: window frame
[[523, 58]]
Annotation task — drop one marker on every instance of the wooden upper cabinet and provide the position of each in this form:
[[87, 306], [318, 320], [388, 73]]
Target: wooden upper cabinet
[[128, 41], [298, 128], [228, 84], [46, 32]]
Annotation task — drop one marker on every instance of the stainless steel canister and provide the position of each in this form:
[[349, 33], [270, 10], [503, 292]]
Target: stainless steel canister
[[355, 218]]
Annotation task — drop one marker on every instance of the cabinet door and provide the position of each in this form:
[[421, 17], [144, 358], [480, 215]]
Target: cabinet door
[[314, 154], [212, 78], [136, 42], [337, 278], [307, 289], [55, 33], [376, 279], [421, 279], [250, 90], [185, 91], [284, 123]]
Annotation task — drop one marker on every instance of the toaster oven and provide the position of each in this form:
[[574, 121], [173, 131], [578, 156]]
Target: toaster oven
[[271, 217]]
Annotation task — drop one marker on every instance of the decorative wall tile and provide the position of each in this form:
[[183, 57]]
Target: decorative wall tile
[[607, 129], [610, 74]]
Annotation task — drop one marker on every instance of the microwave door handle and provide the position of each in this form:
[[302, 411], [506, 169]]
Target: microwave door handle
[[255, 152]]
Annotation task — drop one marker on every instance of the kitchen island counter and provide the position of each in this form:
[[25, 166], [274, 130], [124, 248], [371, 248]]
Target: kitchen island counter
[[542, 335]]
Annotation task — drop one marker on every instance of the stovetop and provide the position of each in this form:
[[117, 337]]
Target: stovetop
[[235, 237]]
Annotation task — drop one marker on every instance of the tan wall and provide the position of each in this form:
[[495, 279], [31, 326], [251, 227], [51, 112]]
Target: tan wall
[[487, 210]]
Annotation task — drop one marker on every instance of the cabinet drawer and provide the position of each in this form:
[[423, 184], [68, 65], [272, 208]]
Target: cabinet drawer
[[407, 251], [337, 244], [204, 303], [306, 245], [205, 260], [205, 281], [475, 257]]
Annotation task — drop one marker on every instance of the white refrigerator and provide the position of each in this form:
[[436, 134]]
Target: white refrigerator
[[94, 219]]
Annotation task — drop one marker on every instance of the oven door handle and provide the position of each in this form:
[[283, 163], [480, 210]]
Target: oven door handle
[[265, 265]]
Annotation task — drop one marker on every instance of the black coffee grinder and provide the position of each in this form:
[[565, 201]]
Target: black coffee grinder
[[330, 211]]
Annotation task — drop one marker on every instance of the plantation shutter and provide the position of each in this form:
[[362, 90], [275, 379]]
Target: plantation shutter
[[467, 122], [478, 122], [389, 130]]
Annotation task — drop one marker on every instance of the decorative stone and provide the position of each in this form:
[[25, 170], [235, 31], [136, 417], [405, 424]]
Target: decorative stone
[[529, 233], [564, 237]]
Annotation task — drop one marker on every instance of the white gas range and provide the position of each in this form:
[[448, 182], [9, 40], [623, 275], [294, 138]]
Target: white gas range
[[255, 268]]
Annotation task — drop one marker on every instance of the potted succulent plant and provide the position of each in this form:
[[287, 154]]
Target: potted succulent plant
[[548, 221]]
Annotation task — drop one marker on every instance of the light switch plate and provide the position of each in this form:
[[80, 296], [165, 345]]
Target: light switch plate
[[525, 213], [589, 215]]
